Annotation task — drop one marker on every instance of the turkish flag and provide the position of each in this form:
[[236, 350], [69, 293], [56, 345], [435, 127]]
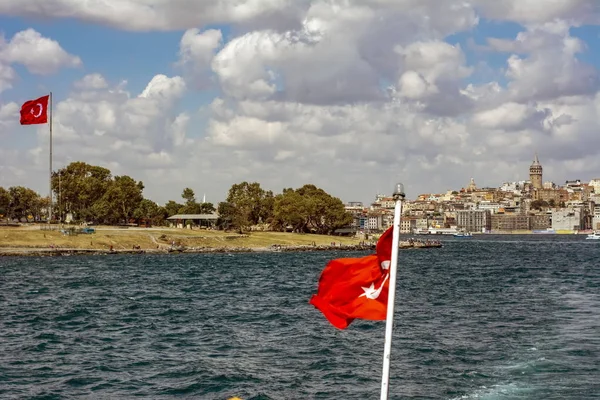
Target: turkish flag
[[351, 288], [35, 111]]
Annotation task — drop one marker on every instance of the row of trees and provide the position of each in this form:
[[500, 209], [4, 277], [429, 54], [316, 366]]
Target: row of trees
[[92, 194], [22, 202], [307, 209]]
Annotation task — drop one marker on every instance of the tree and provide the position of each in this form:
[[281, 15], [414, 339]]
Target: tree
[[4, 201], [290, 210], [151, 212], [309, 209], [24, 202], [172, 208], [78, 186], [247, 204], [227, 215], [207, 208], [120, 200], [539, 204], [189, 196]]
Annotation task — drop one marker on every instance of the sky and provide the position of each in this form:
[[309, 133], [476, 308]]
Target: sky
[[350, 95]]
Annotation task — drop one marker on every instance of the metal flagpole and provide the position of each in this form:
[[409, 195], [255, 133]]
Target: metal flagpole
[[389, 321], [50, 123]]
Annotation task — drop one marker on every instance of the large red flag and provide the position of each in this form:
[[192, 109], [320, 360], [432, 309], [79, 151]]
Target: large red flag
[[351, 288], [35, 111]]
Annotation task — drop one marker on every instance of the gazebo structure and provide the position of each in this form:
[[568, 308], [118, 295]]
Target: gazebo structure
[[206, 220]]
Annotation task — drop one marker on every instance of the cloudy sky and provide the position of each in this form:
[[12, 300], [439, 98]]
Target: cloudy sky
[[350, 95]]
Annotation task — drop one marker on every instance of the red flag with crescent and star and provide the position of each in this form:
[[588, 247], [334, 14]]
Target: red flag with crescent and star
[[35, 111], [351, 288]]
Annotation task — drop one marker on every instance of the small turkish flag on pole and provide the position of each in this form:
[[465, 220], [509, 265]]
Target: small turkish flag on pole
[[35, 111], [351, 288]]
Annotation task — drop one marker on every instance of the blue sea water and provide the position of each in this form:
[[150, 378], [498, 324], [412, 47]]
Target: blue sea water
[[492, 317]]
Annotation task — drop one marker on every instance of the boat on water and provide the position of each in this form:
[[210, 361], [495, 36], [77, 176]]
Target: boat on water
[[593, 236], [463, 234]]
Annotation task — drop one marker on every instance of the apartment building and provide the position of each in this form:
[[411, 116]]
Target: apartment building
[[596, 218], [510, 222], [567, 220], [474, 220]]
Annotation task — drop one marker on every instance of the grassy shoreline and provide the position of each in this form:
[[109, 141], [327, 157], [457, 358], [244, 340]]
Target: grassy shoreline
[[36, 239]]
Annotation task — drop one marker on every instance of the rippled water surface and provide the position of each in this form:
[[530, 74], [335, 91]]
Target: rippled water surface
[[482, 318]]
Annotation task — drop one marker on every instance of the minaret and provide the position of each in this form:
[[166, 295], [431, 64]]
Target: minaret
[[535, 173]]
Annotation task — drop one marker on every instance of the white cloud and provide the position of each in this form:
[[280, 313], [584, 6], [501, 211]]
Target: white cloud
[[141, 15], [91, 82], [551, 67], [8, 117], [511, 116], [198, 47], [38, 54], [196, 52], [7, 77], [535, 11], [351, 96]]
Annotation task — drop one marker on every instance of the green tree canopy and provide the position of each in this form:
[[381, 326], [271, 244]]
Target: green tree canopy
[[309, 209], [189, 196], [247, 204], [150, 212], [4, 201], [78, 186], [21, 202]]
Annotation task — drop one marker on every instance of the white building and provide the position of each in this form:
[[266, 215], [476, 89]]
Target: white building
[[375, 222], [514, 187], [488, 205], [595, 183], [596, 218], [567, 220], [474, 220], [408, 225]]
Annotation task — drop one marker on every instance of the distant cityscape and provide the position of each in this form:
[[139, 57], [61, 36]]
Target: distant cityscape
[[532, 206]]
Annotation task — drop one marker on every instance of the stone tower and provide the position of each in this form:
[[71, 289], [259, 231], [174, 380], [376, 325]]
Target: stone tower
[[535, 173]]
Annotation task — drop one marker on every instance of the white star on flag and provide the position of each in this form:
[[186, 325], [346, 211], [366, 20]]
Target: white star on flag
[[371, 292]]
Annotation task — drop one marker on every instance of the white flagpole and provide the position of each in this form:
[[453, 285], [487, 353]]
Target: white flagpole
[[49, 111], [389, 321]]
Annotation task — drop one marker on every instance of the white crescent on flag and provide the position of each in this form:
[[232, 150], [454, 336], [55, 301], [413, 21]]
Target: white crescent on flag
[[40, 110]]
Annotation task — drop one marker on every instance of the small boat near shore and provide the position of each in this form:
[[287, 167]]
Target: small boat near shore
[[593, 236], [463, 235]]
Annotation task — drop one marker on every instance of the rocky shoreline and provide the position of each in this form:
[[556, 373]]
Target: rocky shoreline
[[53, 252]]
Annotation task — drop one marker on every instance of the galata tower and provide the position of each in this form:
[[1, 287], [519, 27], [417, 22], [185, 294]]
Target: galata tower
[[535, 173]]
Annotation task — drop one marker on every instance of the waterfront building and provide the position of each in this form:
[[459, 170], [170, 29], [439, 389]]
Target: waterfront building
[[422, 224], [408, 224], [521, 222], [474, 220], [567, 220], [540, 222], [510, 222], [596, 218]]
